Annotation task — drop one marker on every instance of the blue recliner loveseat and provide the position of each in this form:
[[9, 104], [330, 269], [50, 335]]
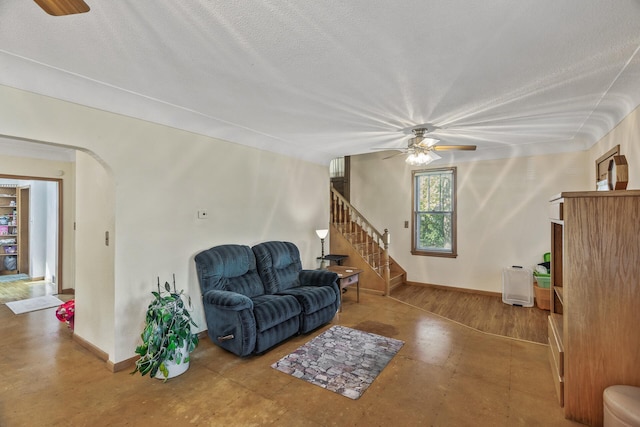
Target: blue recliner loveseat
[[246, 312]]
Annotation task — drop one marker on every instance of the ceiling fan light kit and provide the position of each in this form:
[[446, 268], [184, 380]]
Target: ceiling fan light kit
[[421, 158], [421, 149]]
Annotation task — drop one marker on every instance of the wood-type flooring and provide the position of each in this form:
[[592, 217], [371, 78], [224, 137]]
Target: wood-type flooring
[[23, 289], [485, 313]]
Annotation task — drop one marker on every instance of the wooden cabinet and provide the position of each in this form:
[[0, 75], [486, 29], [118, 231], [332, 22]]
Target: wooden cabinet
[[556, 322], [595, 305], [13, 226]]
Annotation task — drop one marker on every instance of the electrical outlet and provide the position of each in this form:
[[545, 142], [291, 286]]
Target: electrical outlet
[[203, 214], [406, 224]]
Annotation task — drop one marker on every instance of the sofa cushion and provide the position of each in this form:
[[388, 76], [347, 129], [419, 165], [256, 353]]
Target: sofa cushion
[[312, 298], [278, 265], [270, 310], [229, 268]]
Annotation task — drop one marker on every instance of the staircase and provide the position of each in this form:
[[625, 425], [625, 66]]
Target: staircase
[[368, 249]]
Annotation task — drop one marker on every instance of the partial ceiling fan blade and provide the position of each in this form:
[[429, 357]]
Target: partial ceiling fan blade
[[426, 142], [404, 150], [433, 155], [454, 147], [63, 7], [394, 155]]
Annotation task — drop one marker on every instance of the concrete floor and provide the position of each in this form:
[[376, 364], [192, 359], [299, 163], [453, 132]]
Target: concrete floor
[[445, 375]]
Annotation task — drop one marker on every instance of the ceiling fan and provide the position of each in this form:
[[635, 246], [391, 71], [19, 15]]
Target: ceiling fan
[[63, 7], [421, 148]]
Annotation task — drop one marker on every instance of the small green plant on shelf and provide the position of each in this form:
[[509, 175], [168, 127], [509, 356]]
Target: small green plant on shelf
[[167, 332]]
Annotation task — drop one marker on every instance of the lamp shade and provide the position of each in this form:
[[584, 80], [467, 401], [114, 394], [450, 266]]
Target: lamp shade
[[422, 158], [322, 233]]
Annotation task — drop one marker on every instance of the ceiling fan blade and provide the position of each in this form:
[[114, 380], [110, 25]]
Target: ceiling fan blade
[[454, 147], [63, 7]]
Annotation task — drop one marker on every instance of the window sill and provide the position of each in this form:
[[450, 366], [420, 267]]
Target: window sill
[[436, 254]]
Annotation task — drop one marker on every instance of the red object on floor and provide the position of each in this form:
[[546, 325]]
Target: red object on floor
[[66, 312]]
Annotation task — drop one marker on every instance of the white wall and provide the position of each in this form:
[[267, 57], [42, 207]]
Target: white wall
[[160, 177], [502, 213], [250, 195], [95, 272]]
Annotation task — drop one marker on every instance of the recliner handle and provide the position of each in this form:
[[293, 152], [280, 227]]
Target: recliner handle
[[226, 337]]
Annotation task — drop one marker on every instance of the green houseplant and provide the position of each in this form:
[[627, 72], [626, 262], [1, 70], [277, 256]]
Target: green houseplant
[[167, 339]]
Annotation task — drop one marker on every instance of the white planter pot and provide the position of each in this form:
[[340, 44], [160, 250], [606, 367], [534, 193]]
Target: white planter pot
[[173, 368]]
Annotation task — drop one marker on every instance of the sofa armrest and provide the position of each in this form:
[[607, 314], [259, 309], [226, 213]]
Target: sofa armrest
[[227, 300], [317, 278]]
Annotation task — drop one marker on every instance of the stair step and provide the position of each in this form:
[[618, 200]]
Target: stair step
[[397, 280]]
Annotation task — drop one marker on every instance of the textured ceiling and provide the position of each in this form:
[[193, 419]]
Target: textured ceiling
[[320, 79]]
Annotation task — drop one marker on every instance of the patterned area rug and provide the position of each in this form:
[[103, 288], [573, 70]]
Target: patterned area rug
[[341, 359]]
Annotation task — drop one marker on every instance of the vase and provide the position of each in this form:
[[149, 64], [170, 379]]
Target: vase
[[173, 368]]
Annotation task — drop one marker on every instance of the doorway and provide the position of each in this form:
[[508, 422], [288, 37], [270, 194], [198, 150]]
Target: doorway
[[39, 222], [339, 171]]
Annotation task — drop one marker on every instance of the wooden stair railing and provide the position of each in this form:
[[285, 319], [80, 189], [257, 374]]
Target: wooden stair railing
[[357, 235]]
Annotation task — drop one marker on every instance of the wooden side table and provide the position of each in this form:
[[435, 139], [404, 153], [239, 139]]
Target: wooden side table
[[347, 276]]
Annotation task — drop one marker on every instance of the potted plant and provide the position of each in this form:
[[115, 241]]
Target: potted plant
[[167, 339]]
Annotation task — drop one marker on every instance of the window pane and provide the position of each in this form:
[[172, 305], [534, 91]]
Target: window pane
[[434, 191], [434, 231]]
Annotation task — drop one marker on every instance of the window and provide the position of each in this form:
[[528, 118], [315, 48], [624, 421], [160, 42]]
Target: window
[[434, 212], [336, 168]]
